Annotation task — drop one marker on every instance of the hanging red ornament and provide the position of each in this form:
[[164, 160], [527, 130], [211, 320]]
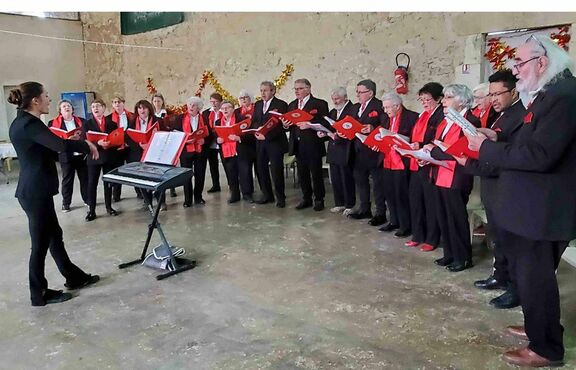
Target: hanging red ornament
[[562, 38]]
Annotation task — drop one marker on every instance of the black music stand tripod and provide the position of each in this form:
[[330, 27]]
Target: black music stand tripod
[[180, 264]]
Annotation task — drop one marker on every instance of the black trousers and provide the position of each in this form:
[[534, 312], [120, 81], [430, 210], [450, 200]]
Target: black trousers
[[396, 187], [246, 174], [533, 265], [120, 159], [46, 234], [75, 165], [93, 178], [197, 162], [212, 156], [362, 178], [501, 272], [453, 220], [270, 161], [343, 185], [232, 175], [311, 179]]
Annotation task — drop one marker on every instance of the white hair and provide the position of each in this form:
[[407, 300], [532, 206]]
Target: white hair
[[339, 91], [483, 88], [558, 58], [245, 92], [462, 93], [194, 100], [392, 97]]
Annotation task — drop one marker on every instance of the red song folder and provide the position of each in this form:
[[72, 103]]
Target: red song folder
[[265, 128], [200, 133], [296, 116], [460, 149], [142, 137], [383, 142], [348, 127], [224, 132], [116, 137], [63, 133]]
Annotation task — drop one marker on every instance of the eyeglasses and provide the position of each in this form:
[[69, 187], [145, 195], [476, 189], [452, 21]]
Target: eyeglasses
[[363, 92], [300, 88], [532, 37], [517, 66], [479, 97], [496, 94]]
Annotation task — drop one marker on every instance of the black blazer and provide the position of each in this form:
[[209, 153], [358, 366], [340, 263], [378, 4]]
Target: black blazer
[[246, 148], [106, 155], [507, 126], [64, 157], [36, 147], [306, 142], [341, 151], [536, 197], [211, 138], [276, 138], [373, 115], [135, 153]]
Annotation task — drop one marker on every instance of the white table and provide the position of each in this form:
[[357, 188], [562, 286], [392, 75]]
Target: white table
[[7, 152]]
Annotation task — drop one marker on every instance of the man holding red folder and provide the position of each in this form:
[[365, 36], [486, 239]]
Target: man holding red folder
[[307, 146]]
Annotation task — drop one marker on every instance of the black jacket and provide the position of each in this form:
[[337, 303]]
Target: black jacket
[[536, 197], [276, 138], [341, 151], [373, 115], [109, 155], [306, 142], [64, 157], [36, 147]]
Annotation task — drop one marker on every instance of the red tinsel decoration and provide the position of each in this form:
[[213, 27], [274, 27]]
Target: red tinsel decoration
[[205, 76], [562, 38], [498, 52], [150, 86]]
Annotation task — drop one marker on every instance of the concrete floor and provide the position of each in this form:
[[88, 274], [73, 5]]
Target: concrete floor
[[274, 289]]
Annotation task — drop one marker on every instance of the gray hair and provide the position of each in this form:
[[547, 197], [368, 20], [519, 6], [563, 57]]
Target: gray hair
[[245, 92], [483, 88], [304, 81], [339, 91], [194, 100], [270, 84], [462, 93], [227, 101], [65, 101], [392, 97], [558, 58]]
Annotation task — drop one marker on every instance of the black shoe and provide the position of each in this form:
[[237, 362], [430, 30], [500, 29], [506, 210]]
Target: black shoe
[[402, 233], [377, 220], [248, 198], [304, 204], [90, 216], [173, 193], [186, 205], [234, 200], [112, 212], [459, 266], [263, 200], [199, 201], [506, 300], [318, 205], [90, 279], [360, 215], [388, 227], [53, 296], [214, 189], [281, 203], [443, 261], [490, 283], [66, 208]]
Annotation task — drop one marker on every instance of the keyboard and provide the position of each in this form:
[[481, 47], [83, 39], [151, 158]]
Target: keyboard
[[149, 176]]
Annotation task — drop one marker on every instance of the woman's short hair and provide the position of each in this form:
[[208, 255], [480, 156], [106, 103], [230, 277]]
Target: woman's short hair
[[227, 102], [65, 101], [194, 100], [392, 97], [158, 95], [434, 89], [146, 104], [462, 93], [98, 101], [244, 93]]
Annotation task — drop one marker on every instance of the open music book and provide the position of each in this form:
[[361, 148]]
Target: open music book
[[422, 155], [165, 147], [464, 124]]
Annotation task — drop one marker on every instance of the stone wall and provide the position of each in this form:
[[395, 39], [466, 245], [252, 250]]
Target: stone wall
[[330, 49]]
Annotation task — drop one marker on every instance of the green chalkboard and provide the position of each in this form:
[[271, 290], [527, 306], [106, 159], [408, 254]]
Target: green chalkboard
[[138, 22]]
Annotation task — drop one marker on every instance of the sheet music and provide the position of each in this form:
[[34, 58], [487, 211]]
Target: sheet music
[[422, 155], [385, 132], [329, 120], [440, 145], [319, 127], [464, 124], [164, 147]]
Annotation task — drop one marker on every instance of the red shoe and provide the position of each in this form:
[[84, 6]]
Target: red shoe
[[528, 358], [427, 247], [411, 243]]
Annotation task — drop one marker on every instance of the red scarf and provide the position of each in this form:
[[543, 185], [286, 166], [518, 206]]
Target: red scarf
[[101, 124], [57, 122], [212, 118], [393, 160], [228, 147], [148, 125], [187, 127], [116, 117], [248, 113]]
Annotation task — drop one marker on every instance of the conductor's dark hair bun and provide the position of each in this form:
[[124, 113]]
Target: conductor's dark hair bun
[[23, 95]]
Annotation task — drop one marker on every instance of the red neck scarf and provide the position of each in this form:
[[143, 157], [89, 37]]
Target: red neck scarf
[[116, 116], [57, 123], [148, 125], [212, 118], [395, 122], [231, 123], [420, 127], [247, 112], [187, 122]]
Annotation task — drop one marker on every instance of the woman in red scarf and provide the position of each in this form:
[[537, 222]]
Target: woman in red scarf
[[246, 147], [228, 150], [120, 116]]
